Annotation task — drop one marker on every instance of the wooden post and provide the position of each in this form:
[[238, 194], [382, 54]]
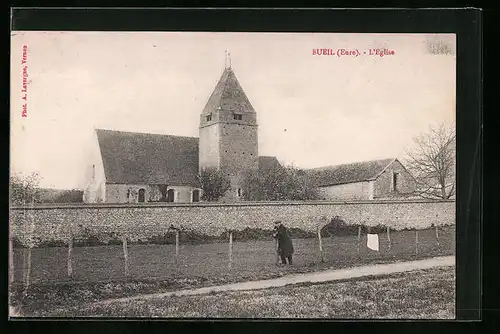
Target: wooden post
[[176, 246], [30, 246], [320, 244], [437, 235], [277, 252], [25, 257], [125, 254], [389, 237], [359, 238], [70, 253], [416, 242], [230, 248], [28, 271]]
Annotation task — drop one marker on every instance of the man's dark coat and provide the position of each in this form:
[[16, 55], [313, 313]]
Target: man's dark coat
[[285, 245]]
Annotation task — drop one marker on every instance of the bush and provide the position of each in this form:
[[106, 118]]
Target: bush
[[297, 233], [338, 227]]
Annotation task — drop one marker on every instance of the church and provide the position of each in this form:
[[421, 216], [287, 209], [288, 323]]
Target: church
[[130, 167]]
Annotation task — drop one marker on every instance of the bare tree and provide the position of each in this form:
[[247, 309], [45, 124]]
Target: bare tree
[[433, 162]]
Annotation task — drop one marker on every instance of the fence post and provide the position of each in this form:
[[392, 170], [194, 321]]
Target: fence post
[[416, 242], [359, 239], [70, 253], [125, 254], [389, 237], [25, 257], [320, 244], [28, 271], [230, 248], [277, 251], [176, 246], [437, 236], [30, 246]]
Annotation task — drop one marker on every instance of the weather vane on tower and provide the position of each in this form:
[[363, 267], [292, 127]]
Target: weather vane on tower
[[228, 59]]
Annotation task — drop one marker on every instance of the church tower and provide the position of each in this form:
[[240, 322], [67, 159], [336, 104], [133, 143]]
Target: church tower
[[228, 131]]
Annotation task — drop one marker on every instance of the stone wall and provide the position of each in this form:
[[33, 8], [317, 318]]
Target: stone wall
[[49, 223]]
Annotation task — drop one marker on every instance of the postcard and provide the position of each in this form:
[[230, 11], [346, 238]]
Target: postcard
[[232, 175]]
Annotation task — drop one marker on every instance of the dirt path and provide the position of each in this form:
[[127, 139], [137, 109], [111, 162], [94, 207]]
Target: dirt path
[[323, 276]]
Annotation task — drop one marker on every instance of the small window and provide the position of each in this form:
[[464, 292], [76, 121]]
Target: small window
[[238, 192], [395, 181], [209, 117], [238, 117]]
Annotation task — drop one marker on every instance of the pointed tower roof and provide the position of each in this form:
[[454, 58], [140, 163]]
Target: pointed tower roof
[[228, 95]]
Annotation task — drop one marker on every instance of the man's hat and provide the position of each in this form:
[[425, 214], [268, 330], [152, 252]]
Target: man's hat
[[276, 222]]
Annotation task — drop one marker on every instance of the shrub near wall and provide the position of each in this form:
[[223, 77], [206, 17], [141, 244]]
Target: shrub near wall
[[148, 222]]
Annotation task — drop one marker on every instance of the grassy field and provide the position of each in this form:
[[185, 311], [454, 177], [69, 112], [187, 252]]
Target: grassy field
[[98, 271], [251, 259], [428, 294]]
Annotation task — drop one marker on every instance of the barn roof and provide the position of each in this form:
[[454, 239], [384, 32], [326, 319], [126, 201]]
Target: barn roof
[[228, 95], [348, 173], [143, 158], [267, 162]]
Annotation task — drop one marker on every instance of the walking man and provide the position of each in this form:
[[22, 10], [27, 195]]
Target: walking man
[[285, 246]]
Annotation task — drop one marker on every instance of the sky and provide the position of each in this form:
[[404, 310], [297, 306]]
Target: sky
[[312, 110]]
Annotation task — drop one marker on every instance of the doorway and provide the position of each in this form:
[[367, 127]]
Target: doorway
[[142, 196], [170, 195], [196, 195]]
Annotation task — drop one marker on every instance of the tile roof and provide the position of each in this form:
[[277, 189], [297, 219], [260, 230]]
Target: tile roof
[[228, 95], [347, 173], [143, 158]]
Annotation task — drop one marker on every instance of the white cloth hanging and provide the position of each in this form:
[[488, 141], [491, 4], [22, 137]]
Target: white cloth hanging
[[372, 242]]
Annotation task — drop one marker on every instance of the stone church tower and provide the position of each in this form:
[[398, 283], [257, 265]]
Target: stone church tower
[[228, 131]]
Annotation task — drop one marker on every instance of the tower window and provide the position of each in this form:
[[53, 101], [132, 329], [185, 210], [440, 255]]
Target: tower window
[[209, 117], [238, 117], [238, 192]]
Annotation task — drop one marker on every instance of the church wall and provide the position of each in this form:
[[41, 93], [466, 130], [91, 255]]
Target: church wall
[[95, 180], [129, 193], [209, 146], [183, 194], [348, 191], [117, 193]]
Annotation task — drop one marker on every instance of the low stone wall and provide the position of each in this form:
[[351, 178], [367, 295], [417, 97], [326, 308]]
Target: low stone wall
[[44, 223]]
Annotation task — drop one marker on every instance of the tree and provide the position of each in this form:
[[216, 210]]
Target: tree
[[278, 184], [433, 161], [69, 196], [214, 184], [25, 189]]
